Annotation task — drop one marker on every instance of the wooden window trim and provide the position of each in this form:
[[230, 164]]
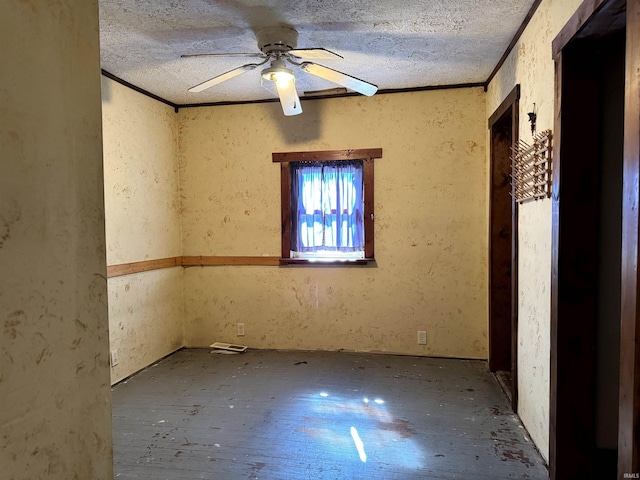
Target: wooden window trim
[[327, 155], [285, 158]]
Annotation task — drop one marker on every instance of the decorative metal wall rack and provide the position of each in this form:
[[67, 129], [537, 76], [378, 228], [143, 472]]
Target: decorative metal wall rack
[[531, 169]]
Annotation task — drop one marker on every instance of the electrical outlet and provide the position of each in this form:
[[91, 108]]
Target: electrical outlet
[[240, 329], [422, 337], [114, 358]]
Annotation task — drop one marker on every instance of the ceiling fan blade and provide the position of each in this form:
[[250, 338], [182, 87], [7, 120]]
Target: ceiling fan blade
[[315, 53], [223, 77], [250, 55], [355, 84], [289, 98]]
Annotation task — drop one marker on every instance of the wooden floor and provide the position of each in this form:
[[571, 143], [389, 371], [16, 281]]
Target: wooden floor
[[317, 415]]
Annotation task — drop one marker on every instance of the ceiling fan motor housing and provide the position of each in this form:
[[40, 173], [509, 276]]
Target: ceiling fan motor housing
[[277, 39]]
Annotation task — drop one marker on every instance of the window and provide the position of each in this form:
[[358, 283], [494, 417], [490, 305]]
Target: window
[[327, 206], [327, 210]]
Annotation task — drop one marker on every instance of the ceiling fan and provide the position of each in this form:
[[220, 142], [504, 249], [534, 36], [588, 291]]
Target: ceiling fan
[[278, 45]]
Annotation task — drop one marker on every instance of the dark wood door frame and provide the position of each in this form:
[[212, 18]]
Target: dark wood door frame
[[629, 410], [503, 329], [572, 333]]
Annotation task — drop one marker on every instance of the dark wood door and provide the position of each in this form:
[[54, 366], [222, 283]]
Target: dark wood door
[[503, 303]]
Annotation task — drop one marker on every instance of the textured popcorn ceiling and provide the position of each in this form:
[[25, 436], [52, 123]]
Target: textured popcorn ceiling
[[393, 44]]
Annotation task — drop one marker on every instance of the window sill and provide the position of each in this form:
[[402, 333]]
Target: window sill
[[360, 262]]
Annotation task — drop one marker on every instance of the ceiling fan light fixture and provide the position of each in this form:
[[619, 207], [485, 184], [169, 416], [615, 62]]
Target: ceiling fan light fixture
[[280, 76], [278, 73]]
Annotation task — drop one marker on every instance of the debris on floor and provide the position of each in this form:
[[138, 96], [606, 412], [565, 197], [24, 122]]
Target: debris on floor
[[227, 348]]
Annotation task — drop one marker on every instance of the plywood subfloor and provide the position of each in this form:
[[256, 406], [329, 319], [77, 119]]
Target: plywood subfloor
[[317, 415]]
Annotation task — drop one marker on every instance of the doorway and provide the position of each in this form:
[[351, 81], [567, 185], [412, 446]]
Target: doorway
[[503, 241], [586, 285]]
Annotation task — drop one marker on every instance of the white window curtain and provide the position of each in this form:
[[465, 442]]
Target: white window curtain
[[327, 207]]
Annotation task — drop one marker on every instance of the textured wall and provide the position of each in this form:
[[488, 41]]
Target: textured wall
[[55, 415], [431, 226], [145, 318], [142, 206], [142, 203], [530, 64]]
